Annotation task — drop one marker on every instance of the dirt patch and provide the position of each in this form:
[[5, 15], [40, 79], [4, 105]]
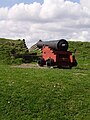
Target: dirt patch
[[30, 65]]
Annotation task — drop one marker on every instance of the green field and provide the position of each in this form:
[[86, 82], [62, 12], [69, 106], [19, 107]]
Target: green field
[[45, 93]]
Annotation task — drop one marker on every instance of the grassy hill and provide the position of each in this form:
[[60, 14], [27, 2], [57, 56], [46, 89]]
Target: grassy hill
[[47, 94], [82, 52], [12, 49]]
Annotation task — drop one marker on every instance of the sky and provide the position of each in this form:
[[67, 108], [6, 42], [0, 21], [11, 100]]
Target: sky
[[33, 20], [9, 3]]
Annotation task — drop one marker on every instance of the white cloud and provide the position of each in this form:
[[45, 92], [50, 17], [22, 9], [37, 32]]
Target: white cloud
[[54, 19], [3, 13], [24, 12], [85, 3]]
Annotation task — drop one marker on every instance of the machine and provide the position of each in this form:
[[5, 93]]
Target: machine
[[55, 53]]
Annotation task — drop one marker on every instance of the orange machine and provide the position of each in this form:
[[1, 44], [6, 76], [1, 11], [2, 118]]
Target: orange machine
[[54, 53]]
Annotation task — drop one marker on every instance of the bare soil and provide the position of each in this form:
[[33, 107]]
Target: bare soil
[[28, 65]]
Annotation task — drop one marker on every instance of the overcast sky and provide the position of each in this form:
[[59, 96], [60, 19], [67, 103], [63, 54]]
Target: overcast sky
[[45, 19]]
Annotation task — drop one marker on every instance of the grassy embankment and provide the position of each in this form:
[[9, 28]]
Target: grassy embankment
[[11, 50], [47, 94]]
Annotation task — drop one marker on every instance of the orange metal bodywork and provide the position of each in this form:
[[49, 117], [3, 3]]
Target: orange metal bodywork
[[48, 53], [61, 58]]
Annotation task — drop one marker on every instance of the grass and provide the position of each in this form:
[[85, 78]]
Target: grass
[[11, 50], [44, 94], [47, 94]]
